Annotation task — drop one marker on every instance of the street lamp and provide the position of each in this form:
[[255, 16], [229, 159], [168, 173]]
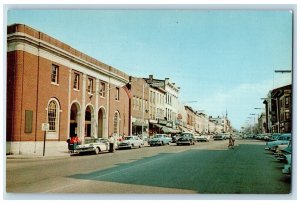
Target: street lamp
[[282, 71]]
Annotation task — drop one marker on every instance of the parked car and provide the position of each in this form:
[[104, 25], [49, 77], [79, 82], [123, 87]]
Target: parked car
[[281, 140], [131, 142], [287, 168], [175, 138], [267, 137], [204, 138], [226, 135], [144, 137], [275, 136], [186, 138], [283, 150], [93, 145], [197, 137], [159, 139], [218, 137]]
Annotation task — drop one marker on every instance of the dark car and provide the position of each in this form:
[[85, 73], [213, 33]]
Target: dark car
[[175, 138], [186, 138]]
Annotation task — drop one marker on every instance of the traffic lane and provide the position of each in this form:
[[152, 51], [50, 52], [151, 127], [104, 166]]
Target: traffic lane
[[42, 174], [245, 169]]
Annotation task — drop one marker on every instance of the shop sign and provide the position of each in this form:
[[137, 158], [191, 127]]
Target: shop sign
[[45, 126]]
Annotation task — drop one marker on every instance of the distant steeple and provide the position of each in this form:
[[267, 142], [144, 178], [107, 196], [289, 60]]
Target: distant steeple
[[226, 113]]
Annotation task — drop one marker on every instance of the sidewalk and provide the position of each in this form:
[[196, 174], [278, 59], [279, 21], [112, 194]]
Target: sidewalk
[[50, 155]]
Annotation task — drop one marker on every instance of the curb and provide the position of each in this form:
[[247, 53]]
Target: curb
[[35, 157]]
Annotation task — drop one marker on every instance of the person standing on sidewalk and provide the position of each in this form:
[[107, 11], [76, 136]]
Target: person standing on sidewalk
[[111, 144]]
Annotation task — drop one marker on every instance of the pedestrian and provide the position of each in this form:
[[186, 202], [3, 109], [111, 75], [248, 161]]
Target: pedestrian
[[231, 142], [111, 144]]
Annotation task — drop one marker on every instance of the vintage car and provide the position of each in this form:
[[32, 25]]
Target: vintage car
[[159, 139], [130, 142], [186, 138], [281, 140], [93, 145], [197, 137], [204, 138], [287, 168], [219, 136], [283, 150]]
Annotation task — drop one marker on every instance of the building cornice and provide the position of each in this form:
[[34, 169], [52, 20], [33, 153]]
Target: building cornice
[[25, 39]]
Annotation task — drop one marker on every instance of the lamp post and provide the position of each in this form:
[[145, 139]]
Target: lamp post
[[253, 120], [281, 71]]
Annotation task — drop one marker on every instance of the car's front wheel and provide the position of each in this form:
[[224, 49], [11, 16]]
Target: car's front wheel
[[97, 150]]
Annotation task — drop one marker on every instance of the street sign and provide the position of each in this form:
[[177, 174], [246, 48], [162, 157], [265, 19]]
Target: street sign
[[45, 126]]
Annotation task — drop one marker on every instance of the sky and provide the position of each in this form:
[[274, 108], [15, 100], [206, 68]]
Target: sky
[[222, 59]]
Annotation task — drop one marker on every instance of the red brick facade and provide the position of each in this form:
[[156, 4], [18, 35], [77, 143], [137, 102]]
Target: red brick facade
[[33, 99]]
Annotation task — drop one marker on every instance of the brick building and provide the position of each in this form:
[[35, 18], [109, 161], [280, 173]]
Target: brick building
[[278, 106], [51, 82], [139, 106]]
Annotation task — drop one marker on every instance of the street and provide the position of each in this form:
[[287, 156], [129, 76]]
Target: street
[[203, 168]]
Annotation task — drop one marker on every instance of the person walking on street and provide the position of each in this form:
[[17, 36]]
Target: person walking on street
[[231, 142]]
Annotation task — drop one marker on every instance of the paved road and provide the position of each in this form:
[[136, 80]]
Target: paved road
[[205, 168]]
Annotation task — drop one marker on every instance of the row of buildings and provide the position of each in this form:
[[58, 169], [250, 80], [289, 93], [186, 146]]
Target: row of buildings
[[68, 93], [276, 116]]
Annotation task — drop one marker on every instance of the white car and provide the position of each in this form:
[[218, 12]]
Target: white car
[[204, 138], [130, 142], [281, 140], [94, 145]]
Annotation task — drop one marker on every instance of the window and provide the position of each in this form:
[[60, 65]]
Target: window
[[28, 121], [116, 123], [117, 94], [287, 115], [76, 81], [102, 89], [54, 74], [52, 115], [90, 86], [287, 101]]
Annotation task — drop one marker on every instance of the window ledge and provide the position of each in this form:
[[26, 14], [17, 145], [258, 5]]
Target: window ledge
[[55, 84]]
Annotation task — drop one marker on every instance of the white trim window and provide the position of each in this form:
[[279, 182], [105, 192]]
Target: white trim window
[[102, 89], [90, 86], [76, 81], [117, 97], [54, 74], [53, 115]]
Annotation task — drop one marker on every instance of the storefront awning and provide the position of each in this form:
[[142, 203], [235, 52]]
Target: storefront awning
[[166, 129]]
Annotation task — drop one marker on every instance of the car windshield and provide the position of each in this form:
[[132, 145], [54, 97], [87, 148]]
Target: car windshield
[[128, 138], [158, 136]]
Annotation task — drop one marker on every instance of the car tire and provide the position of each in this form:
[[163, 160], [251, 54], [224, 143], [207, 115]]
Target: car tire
[[97, 150]]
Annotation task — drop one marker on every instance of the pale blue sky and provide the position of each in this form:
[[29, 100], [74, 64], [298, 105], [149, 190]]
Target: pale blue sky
[[222, 59]]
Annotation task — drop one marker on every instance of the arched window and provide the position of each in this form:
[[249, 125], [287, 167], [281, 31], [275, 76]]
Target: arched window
[[116, 123], [53, 110]]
